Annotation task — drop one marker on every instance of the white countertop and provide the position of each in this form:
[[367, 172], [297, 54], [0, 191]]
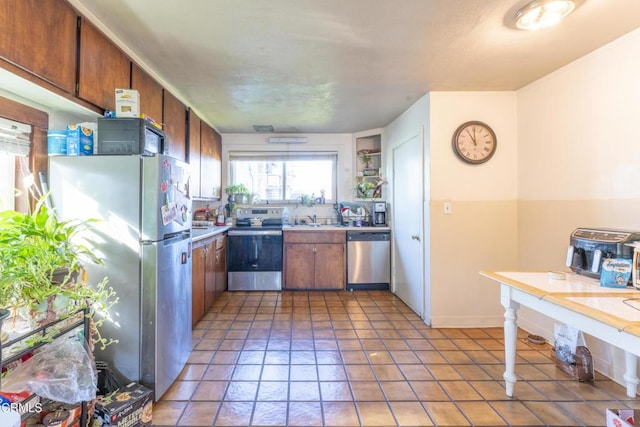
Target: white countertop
[[202, 233], [198, 234], [541, 284], [617, 307], [333, 227]]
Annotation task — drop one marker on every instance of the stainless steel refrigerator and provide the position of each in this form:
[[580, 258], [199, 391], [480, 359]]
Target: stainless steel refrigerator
[[143, 235]]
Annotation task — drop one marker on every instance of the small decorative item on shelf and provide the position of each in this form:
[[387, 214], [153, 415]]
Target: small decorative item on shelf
[[365, 158]]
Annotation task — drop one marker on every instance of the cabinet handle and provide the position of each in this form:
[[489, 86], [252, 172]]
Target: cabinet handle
[[415, 237]]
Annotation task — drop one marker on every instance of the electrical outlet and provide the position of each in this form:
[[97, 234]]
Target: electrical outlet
[[447, 208]]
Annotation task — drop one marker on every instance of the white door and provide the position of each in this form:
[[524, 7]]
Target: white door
[[407, 222]]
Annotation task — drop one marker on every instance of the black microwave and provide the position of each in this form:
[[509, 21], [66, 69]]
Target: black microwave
[[129, 135]]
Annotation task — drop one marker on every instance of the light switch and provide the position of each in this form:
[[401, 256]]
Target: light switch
[[447, 208]]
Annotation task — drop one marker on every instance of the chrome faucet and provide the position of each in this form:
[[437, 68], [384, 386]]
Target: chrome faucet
[[313, 218]]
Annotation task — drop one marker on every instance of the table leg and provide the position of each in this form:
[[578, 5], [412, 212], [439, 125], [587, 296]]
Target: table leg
[[510, 338], [631, 373]]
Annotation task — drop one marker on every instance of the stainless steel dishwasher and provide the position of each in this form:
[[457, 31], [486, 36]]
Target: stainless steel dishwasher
[[368, 260]]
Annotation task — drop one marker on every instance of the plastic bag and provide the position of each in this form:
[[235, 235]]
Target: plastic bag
[[567, 339], [572, 353], [60, 371]]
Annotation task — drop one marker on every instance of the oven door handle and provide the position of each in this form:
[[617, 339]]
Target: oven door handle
[[255, 232]]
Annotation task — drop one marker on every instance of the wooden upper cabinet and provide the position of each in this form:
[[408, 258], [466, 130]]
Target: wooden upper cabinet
[[103, 68], [194, 152], [150, 93], [217, 165], [210, 164], [40, 36], [174, 118]]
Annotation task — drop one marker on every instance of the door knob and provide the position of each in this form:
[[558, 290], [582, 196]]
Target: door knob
[[415, 237]]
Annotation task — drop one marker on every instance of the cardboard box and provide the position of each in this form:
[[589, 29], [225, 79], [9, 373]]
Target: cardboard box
[[79, 141], [127, 103], [129, 406], [621, 417]]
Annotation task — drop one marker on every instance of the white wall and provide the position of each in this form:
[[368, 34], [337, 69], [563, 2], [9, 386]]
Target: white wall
[[579, 164], [412, 123], [480, 233]]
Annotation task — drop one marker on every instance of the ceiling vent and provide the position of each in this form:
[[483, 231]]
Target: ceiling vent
[[287, 140], [263, 128]]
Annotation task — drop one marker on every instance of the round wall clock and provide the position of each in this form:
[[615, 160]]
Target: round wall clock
[[474, 142]]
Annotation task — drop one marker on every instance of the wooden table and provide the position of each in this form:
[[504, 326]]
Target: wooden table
[[609, 314]]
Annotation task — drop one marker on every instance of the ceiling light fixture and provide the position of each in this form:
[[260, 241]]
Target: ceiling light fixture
[[543, 13], [287, 140]]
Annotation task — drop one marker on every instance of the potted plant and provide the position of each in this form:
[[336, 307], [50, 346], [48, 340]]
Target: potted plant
[[237, 193], [307, 200], [365, 158], [364, 188], [41, 265], [369, 187]]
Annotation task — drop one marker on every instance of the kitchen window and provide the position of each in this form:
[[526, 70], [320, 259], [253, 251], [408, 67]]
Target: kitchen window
[[286, 177], [15, 143]]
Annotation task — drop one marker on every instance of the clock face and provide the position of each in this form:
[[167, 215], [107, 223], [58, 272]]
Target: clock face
[[474, 142]]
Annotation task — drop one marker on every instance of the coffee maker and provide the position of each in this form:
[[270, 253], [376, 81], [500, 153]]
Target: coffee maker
[[379, 214]]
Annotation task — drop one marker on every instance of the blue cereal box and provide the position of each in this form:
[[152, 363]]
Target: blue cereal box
[[79, 141], [616, 272]]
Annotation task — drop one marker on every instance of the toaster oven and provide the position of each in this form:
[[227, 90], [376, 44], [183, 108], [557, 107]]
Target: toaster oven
[[588, 247]]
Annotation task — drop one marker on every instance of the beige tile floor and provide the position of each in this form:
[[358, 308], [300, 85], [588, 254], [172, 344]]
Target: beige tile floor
[[365, 359]]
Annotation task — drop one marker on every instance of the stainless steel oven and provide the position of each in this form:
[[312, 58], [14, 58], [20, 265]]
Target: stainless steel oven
[[254, 250]]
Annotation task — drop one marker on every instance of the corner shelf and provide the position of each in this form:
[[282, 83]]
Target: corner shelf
[[371, 146]]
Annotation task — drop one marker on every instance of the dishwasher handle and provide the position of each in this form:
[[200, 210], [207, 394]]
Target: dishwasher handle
[[368, 236]]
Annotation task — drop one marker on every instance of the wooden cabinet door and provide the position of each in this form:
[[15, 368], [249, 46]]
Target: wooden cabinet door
[[207, 161], [197, 283], [103, 68], [299, 266], [40, 36], [150, 93], [174, 118], [194, 153], [221, 265], [330, 266], [209, 275], [216, 174]]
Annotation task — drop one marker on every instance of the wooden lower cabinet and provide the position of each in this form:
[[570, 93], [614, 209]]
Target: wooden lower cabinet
[[314, 260], [221, 264], [197, 283], [209, 274], [300, 266]]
